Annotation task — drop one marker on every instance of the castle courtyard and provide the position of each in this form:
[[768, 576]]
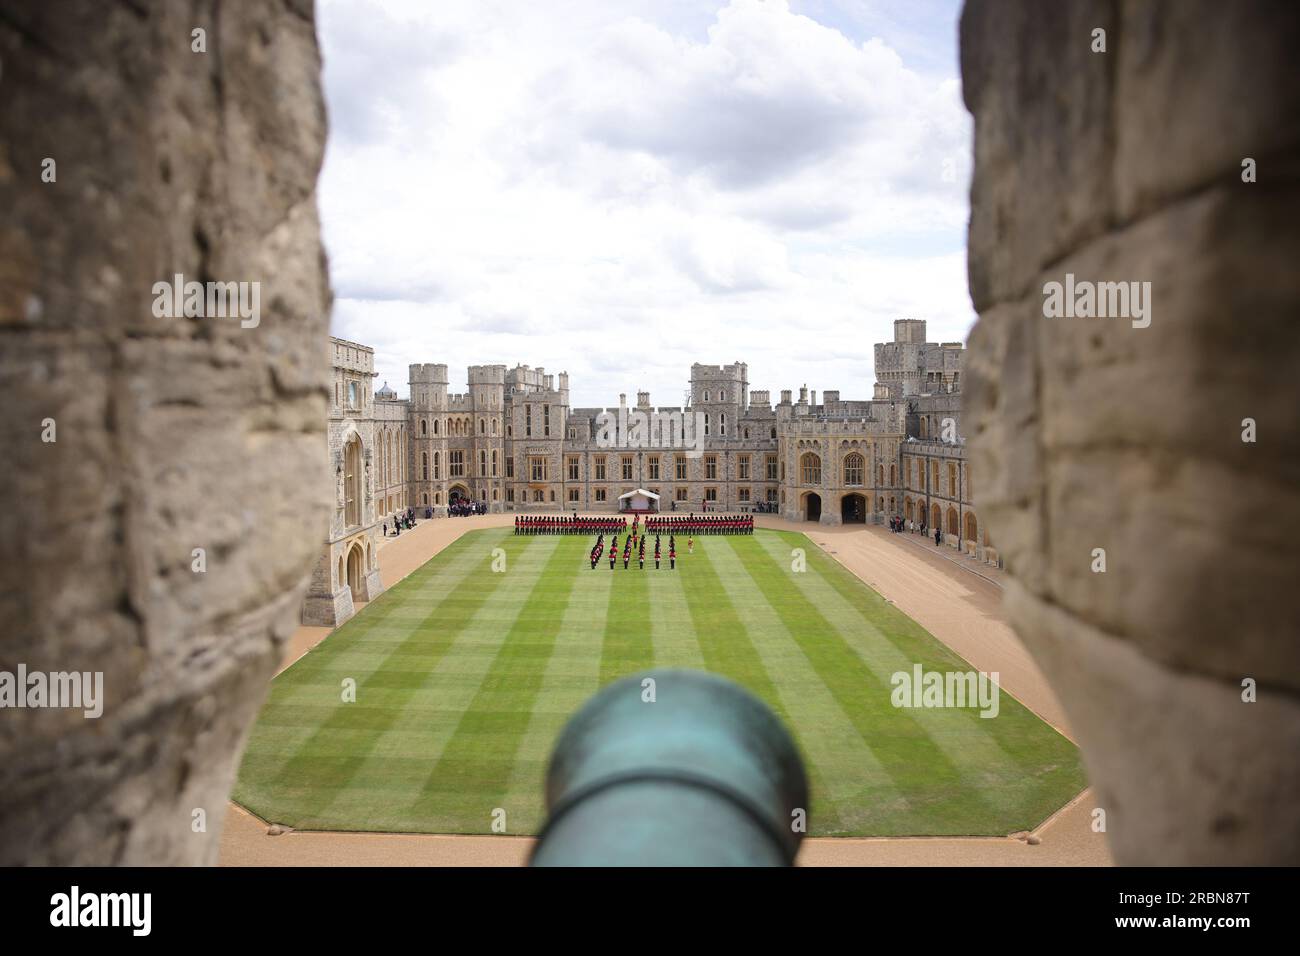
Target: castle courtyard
[[953, 597]]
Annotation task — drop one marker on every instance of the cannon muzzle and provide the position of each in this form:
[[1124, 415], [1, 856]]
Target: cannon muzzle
[[673, 768]]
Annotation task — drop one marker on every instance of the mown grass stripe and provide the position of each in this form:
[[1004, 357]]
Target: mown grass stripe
[[626, 647], [936, 786], [572, 677], [728, 650], [330, 760], [856, 783], [307, 693], [472, 774], [1013, 751]]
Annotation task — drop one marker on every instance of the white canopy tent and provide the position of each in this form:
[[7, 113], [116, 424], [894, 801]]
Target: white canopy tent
[[639, 500]]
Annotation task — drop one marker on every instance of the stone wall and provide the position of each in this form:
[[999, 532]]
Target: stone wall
[[1092, 433], [171, 433]]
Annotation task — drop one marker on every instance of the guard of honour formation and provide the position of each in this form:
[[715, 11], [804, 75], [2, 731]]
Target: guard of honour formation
[[635, 537]]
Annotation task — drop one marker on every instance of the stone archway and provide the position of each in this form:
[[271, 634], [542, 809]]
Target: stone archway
[[853, 509], [812, 506], [457, 493], [356, 572]]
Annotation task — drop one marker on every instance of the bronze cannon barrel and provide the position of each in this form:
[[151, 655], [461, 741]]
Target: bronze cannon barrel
[[673, 768]]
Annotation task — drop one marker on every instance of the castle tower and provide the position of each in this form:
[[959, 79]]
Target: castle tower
[[721, 392], [428, 387]]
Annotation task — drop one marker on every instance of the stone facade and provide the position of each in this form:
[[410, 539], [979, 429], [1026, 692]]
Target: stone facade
[[1093, 435], [173, 434], [512, 442], [367, 459]]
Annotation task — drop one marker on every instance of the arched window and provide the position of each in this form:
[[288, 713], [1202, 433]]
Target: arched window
[[482, 426], [952, 520], [893, 475], [706, 419], [435, 426], [706, 394], [424, 427], [352, 483], [424, 466], [880, 473], [854, 469], [437, 470], [722, 424], [774, 432], [810, 469]]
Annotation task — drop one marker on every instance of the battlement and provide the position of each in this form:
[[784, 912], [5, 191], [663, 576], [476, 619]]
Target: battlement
[[428, 374], [487, 375], [352, 356], [911, 331], [735, 372]]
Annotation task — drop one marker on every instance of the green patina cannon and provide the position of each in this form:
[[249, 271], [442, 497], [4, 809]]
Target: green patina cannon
[[673, 768]]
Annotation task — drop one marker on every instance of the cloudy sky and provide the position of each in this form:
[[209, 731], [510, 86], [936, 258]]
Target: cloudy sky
[[619, 188]]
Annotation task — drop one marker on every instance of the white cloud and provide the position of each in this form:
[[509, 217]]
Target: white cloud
[[619, 189]]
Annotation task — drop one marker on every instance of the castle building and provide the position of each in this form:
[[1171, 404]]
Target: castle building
[[513, 443]]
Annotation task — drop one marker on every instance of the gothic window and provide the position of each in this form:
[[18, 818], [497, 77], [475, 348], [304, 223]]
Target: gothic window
[[810, 467]]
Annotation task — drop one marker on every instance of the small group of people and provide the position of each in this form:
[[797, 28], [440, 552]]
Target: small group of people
[[568, 524], [463, 508], [766, 507], [702, 524], [404, 520], [634, 542], [899, 524]]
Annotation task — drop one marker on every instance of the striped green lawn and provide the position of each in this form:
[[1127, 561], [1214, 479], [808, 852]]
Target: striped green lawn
[[464, 678]]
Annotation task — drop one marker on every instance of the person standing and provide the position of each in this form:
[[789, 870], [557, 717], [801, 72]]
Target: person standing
[[672, 557]]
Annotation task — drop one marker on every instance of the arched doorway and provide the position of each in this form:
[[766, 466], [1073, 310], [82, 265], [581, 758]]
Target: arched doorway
[[936, 517], [853, 509], [971, 534], [952, 521], [457, 493], [812, 505], [356, 572]]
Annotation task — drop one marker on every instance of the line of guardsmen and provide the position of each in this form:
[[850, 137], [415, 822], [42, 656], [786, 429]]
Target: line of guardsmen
[[568, 524], [702, 524]]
